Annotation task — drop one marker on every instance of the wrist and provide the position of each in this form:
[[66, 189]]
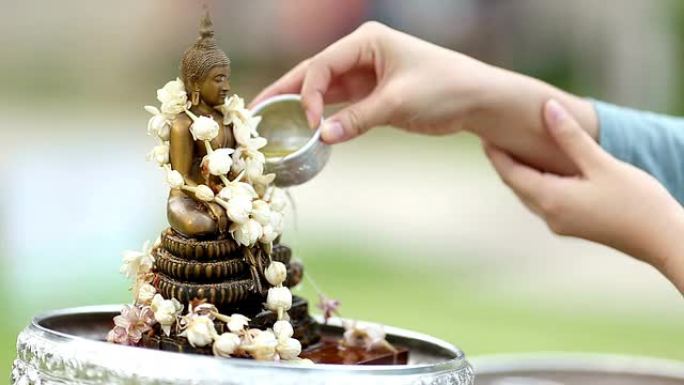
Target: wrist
[[667, 256], [488, 99]]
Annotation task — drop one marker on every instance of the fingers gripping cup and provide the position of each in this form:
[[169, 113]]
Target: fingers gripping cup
[[295, 152]]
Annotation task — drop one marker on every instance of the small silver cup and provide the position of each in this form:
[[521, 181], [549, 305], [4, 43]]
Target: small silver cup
[[295, 152]]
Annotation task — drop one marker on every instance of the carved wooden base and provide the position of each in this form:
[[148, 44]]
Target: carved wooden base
[[227, 275]]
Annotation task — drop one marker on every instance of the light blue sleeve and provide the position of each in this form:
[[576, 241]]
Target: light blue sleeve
[[649, 141]]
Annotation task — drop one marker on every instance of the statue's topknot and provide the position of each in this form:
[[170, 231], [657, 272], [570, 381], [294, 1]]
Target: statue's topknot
[[203, 55]]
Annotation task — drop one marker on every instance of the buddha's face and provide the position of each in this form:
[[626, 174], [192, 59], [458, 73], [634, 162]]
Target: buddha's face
[[215, 87]]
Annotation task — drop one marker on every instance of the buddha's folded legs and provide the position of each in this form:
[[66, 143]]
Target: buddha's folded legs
[[195, 219]]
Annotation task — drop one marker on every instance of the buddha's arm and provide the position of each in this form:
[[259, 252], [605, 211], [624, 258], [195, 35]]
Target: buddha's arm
[[182, 148]]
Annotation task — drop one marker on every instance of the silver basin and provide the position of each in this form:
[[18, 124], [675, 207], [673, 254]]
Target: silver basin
[[66, 347], [576, 369]]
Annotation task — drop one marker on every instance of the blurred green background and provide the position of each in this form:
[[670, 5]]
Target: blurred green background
[[409, 231]]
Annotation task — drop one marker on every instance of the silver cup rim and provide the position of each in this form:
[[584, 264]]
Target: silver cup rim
[[313, 140]]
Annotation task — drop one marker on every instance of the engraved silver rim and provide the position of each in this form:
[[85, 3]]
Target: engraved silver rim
[[511, 364], [53, 354]]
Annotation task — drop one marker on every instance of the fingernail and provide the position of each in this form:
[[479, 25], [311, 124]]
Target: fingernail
[[555, 113], [332, 131], [311, 118]]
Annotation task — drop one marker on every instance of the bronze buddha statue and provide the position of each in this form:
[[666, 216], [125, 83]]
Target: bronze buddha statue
[[205, 71], [198, 258]]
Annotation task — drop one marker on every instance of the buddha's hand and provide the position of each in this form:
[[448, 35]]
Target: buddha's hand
[[387, 77], [609, 202]]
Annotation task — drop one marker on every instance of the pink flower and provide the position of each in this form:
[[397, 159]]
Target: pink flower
[[328, 306], [131, 324], [118, 335], [365, 335]]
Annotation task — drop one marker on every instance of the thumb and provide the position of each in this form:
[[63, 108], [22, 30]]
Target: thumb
[[355, 120], [577, 144]]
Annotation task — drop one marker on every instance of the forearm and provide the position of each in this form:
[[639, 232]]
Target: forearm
[[508, 114]]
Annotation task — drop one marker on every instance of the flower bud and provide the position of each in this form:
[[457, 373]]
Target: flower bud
[[269, 235], [174, 179], [226, 344], [159, 126], [277, 222], [145, 294], [263, 347], [219, 161], [238, 208], [283, 329], [279, 298], [204, 193], [261, 212], [172, 97], [276, 273], [200, 331], [241, 131], [278, 200], [204, 128], [237, 322], [235, 189], [165, 311], [289, 349], [246, 233], [160, 154]]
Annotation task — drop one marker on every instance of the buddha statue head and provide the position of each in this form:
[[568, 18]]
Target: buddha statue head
[[205, 68]]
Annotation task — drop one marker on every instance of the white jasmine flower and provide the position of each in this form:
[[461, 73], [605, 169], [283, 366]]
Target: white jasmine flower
[[166, 311], [160, 154], [253, 124], [200, 331], [226, 344], [263, 346], [219, 161], [278, 200], [277, 222], [268, 234], [204, 193], [234, 110], [158, 125], [237, 322], [246, 233], [174, 178], [173, 98], [262, 182], [244, 130], [244, 122], [241, 133], [283, 330], [152, 110], [247, 157], [137, 262], [204, 128], [234, 189], [276, 273], [145, 294], [366, 335], [279, 298], [238, 208], [289, 348], [261, 212]]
